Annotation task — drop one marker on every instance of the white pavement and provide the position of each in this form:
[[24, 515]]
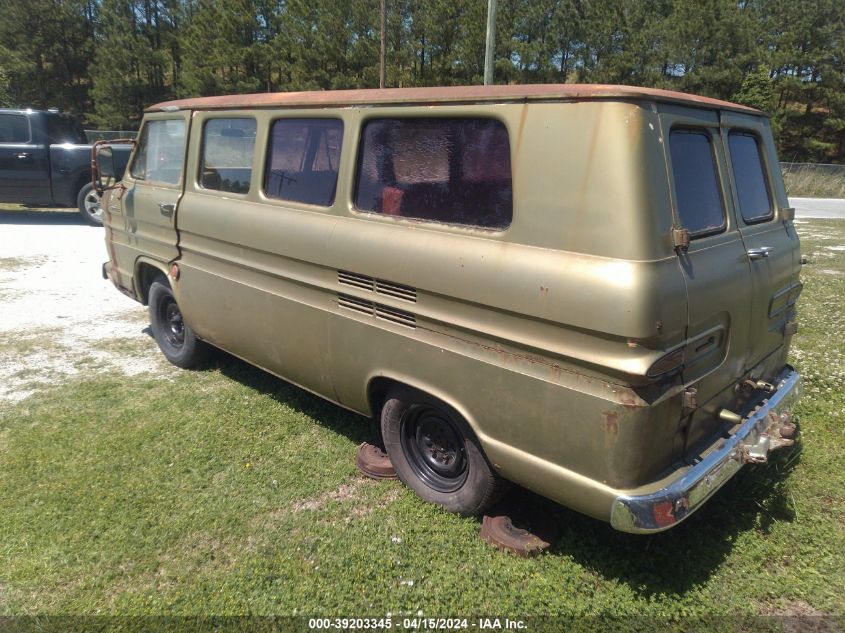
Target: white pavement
[[818, 207]]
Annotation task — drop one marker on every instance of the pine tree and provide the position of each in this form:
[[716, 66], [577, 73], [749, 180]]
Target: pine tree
[[5, 90], [757, 90], [46, 46]]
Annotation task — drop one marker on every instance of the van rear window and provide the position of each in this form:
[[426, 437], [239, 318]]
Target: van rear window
[[755, 201], [697, 195], [456, 171], [303, 159]]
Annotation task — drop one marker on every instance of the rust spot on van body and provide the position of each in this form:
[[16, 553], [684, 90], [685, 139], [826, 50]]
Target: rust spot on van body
[[629, 401], [628, 398], [611, 419], [518, 144]]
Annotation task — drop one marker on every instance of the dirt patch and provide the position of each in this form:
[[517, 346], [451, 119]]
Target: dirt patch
[[797, 615], [363, 510], [348, 493], [345, 492]]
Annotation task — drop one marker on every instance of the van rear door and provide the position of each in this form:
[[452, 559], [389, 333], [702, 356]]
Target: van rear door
[[715, 264], [771, 244]]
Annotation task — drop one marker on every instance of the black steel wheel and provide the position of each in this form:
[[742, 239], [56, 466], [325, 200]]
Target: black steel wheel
[[434, 448], [175, 338], [171, 316], [436, 454]]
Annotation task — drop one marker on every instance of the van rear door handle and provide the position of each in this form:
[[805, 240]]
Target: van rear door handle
[[166, 208], [759, 253]]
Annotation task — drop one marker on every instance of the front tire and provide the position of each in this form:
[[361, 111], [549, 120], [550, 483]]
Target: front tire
[[88, 202], [436, 454], [175, 338]]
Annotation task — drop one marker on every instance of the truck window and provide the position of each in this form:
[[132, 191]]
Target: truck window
[[227, 148], [456, 171], [161, 152], [697, 196], [14, 128], [755, 201], [302, 160], [65, 129]]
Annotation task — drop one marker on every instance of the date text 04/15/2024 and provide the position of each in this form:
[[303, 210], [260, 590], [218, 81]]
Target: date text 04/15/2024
[[417, 623]]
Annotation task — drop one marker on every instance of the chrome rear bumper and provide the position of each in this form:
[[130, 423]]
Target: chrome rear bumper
[[757, 435]]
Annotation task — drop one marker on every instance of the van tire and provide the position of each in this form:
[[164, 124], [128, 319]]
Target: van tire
[[175, 338], [436, 454], [92, 213]]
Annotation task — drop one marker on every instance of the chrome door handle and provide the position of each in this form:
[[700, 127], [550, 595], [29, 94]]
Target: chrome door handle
[[759, 253], [23, 155], [166, 208]]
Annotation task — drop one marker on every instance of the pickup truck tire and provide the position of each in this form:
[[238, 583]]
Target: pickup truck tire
[[436, 454], [89, 205], [175, 338]]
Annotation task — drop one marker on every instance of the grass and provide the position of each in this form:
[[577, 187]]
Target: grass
[[226, 491], [814, 184]]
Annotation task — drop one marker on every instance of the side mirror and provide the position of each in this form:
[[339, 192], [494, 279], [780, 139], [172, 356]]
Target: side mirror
[[105, 174], [106, 178]]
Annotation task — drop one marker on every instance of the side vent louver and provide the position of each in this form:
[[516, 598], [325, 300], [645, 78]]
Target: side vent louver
[[371, 308], [397, 291], [379, 286], [356, 304], [354, 279], [377, 310], [395, 316]]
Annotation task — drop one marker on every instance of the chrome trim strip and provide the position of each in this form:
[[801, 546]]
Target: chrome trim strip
[[661, 510]]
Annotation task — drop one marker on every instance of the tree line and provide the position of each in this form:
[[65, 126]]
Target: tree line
[[108, 59]]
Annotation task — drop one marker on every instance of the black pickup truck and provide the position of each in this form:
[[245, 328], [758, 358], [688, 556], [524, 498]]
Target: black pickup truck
[[45, 160]]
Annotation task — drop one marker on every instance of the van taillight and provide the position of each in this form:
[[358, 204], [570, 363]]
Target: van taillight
[[669, 363]]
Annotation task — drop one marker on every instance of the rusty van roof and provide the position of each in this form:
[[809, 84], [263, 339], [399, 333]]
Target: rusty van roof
[[445, 95]]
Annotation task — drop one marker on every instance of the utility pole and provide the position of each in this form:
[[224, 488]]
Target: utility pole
[[382, 71], [490, 48]]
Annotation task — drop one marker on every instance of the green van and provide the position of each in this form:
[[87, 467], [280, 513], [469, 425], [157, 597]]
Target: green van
[[586, 290]]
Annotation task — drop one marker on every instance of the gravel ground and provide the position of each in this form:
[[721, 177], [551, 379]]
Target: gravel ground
[[58, 316]]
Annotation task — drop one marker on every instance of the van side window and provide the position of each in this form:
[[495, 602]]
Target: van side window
[[755, 201], [161, 152], [302, 161], [697, 194], [227, 148], [14, 128], [456, 171]]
